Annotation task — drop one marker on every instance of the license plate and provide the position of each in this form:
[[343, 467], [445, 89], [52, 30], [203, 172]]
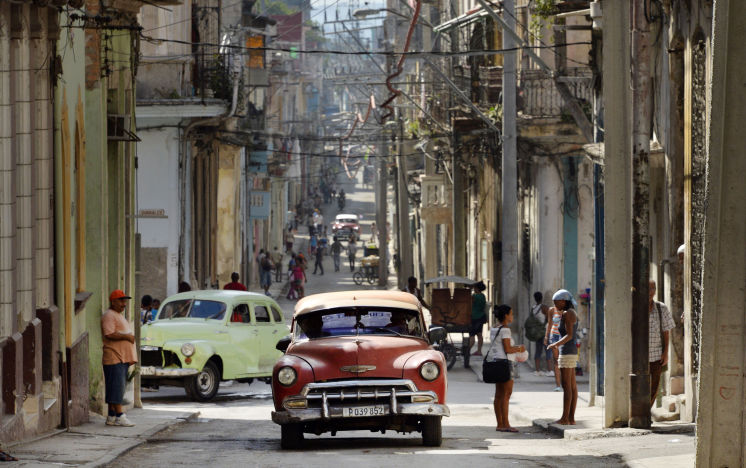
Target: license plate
[[363, 411]]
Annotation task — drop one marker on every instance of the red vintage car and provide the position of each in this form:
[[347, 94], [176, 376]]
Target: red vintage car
[[359, 360], [345, 225]]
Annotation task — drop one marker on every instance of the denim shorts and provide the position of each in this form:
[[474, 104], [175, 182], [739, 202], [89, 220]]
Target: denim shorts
[[553, 338], [115, 377]]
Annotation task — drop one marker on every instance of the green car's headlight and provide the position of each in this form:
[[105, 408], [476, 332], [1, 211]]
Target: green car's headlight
[[287, 376], [187, 349], [429, 371]]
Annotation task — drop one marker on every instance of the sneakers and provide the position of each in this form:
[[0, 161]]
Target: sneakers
[[122, 421], [548, 373], [557, 389], [110, 420]]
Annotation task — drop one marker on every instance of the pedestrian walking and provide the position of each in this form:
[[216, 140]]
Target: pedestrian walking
[[351, 252], [552, 336], [568, 354], [478, 317], [146, 304], [265, 271], [535, 326], [291, 266], [289, 240], [415, 291], [118, 355], [503, 348], [235, 285], [313, 242], [336, 250], [660, 323], [319, 264], [299, 276], [277, 262]]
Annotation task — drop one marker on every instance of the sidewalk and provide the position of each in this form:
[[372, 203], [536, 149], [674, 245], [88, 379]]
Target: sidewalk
[[535, 402], [94, 443]]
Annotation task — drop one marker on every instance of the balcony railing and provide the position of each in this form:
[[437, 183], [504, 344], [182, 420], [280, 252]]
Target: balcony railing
[[539, 95]]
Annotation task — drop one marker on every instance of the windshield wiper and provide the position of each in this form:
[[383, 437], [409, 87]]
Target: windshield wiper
[[388, 330]]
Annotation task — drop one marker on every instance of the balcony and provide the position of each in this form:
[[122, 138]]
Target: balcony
[[539, 96]]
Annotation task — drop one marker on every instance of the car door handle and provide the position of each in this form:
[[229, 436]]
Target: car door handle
[[274, 332], [220, 332]]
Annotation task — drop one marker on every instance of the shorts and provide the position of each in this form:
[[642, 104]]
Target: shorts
[[115, 378], [568, 361], [477, 326], [265, 277], [552, 339]]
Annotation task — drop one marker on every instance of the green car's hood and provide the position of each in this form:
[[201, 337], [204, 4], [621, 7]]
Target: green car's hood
[[159, 332]]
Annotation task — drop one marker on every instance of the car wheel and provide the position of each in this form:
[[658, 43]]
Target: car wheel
[[291, 436], [204, 386], [449, 353], [432, 433]]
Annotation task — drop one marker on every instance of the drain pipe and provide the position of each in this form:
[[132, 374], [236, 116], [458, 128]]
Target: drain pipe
[[184, 167]]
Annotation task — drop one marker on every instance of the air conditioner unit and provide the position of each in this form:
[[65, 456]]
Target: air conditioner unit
[[118, 128]]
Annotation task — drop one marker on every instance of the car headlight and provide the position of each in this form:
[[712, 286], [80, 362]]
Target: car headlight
[[187, 349], [429, 371], [287, 376]]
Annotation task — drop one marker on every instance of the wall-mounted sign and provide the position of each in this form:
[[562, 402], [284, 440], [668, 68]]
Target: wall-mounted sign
[[258, 161], [152, 213]]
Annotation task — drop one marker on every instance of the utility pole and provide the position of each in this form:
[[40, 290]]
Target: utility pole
[[639, 404], [382, 173], [405, 241], [509, 221]]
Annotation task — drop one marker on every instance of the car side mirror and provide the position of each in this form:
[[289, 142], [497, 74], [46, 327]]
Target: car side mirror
[[437, 334], [283, 344]]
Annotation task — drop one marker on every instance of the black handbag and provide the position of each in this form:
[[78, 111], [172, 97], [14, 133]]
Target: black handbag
[[497, 371]]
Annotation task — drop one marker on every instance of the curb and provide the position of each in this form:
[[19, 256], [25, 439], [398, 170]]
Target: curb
[[139, 440]]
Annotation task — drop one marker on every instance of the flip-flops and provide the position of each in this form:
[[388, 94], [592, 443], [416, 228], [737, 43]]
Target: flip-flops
[[507, 429]]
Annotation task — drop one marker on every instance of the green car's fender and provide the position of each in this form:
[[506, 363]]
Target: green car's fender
[[203, 351]]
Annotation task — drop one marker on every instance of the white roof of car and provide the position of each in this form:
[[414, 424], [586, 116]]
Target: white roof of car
[[364, 298], [346, 216]]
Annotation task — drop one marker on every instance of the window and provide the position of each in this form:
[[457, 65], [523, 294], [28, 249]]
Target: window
[[277, 315], [240, 314], [261, 314]]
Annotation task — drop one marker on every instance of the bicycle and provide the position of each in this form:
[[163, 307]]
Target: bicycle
[[369, 274]]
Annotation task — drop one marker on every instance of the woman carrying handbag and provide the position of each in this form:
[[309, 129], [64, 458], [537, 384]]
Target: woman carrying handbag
[[497, 367]]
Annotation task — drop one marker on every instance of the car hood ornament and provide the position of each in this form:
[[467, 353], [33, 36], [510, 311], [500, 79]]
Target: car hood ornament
[[357, 369]]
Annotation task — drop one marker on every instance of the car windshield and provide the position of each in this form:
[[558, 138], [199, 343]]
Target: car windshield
[[347, 221], [193, 308], [358, 321]]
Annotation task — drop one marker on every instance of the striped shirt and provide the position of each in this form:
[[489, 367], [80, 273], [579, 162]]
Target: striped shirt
[[556, 319]]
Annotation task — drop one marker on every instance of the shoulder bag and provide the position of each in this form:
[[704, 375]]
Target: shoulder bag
[[497, 371]]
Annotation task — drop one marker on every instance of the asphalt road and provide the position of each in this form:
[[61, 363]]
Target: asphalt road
[[236, 429]]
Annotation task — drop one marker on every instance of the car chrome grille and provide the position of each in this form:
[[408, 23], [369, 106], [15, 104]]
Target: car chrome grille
[[359, 391]]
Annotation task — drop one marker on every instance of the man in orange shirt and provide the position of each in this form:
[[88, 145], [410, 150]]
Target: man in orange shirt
[[118, 354]]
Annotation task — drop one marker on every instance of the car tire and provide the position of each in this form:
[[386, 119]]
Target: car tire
[[449, 353], [291, 436], [432, 432], [204, 386]]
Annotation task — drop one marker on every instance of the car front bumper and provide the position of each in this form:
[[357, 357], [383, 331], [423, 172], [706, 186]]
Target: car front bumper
[[155, 371], [327, 401]]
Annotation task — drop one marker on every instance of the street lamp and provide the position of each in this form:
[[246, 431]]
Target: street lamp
[[364, 12]]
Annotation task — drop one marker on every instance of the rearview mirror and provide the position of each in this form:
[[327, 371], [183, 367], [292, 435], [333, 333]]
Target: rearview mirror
[[437, 334], [283, 344]]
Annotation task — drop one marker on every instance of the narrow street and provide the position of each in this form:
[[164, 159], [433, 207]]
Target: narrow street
[[236, 429]]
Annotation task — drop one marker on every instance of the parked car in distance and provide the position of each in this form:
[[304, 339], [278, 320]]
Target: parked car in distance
[[200, 338], [359, 360], [346, 224]]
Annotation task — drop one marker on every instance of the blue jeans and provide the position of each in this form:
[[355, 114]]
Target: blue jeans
[[553, 338]]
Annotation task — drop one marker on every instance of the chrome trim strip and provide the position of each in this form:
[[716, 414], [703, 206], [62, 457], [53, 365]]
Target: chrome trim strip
[[314, 414], [393, 400], [153, 371], [358, 383]]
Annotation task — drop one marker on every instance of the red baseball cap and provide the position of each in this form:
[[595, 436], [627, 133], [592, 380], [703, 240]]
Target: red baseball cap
[[118, 294]]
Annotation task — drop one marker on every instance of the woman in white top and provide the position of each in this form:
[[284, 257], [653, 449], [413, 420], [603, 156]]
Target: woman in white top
[[503, 349]]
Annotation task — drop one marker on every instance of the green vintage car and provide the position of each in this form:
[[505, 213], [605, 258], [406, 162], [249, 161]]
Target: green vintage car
[[200, 338]]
